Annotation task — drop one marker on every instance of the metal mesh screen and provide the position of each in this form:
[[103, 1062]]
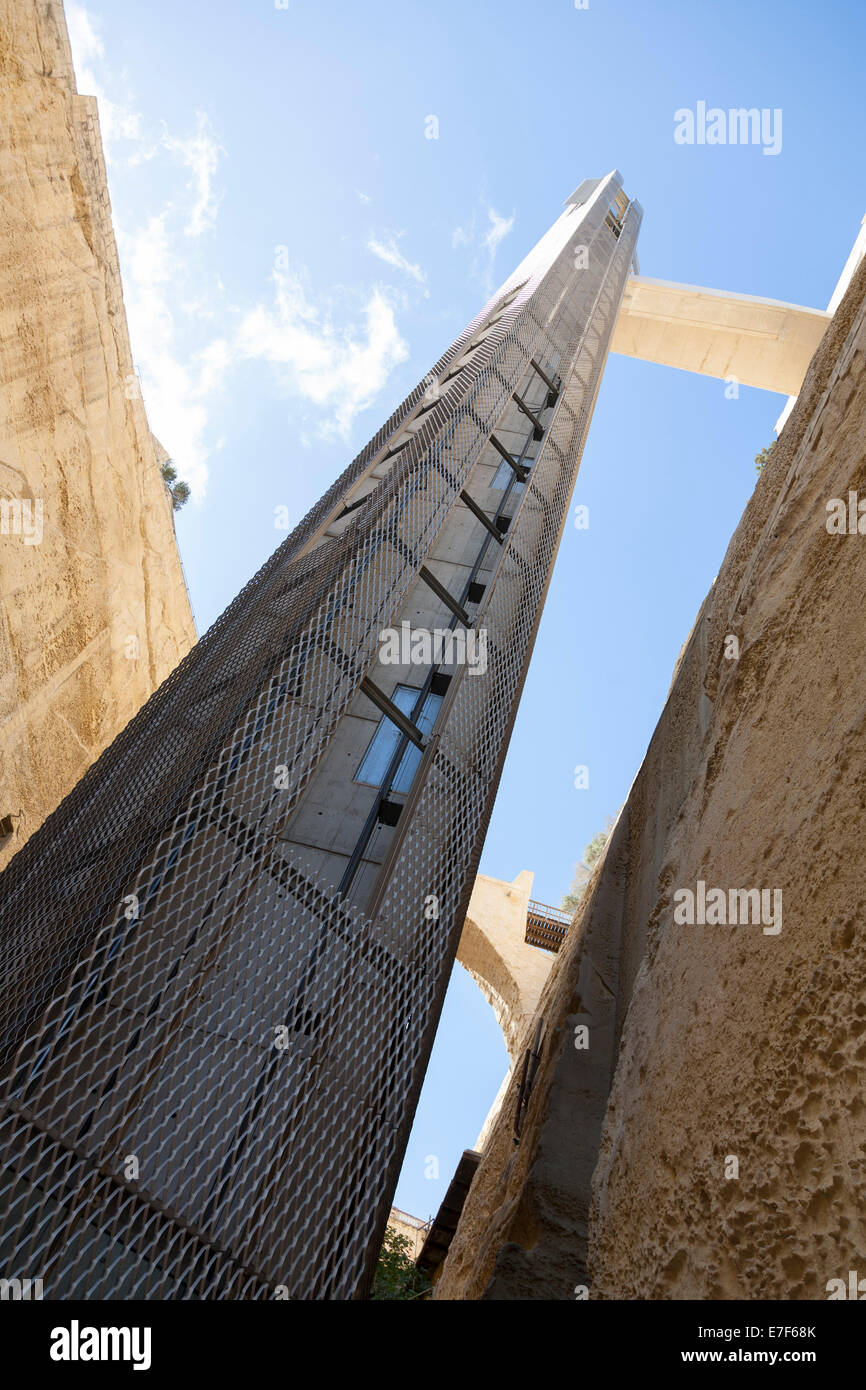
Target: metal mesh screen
[[210, 1059]]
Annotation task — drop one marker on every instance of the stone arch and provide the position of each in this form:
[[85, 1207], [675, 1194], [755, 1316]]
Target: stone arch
[[493, 949], [510, 974]]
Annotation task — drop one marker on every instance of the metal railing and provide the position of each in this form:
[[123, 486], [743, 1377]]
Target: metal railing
[[546, 926]]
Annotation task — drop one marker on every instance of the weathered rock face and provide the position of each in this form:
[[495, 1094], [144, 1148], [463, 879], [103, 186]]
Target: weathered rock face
[[712, 1043], [95, 610]]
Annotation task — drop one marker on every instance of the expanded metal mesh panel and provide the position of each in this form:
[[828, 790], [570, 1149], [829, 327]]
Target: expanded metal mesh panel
[[210, 1058]]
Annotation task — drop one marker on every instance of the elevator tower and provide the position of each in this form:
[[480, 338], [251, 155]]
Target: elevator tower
[[225, 954]]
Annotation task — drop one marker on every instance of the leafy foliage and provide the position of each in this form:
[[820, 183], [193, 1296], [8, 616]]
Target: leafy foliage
[[177, 487], [764, 456], [396, 1276], [583, 869]]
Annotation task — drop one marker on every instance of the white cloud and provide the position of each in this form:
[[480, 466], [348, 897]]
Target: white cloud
[[214, 362], [389, 252], [83, 35], [184, 334], [338, 369], [484, 243], [180, 383], [497, 231], [176, 387], [200, 153], [116, 120]]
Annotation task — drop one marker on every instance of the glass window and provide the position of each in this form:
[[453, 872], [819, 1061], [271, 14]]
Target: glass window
[[383, 744]]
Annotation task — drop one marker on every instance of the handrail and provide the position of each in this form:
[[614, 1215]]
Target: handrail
[[410, 1220], [553, 914], [546, 926]]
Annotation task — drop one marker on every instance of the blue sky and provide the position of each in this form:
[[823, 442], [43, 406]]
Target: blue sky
[[296, 254]]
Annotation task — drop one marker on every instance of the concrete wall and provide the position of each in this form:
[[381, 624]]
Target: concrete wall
[[329, 819], [709, 1044], [735, 337], [95, 613]]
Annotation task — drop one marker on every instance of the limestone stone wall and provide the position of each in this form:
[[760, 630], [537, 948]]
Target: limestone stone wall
[[412, 1227], [493, 950], [510, 974], [95, 612], [709, 1044]]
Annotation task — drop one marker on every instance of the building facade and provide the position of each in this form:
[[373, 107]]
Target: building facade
[[226, 952]]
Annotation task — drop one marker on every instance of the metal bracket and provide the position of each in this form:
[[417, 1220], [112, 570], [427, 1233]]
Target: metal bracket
[[387, 706], [448, 599], [530, 415], [531, 1058], [481, 515]]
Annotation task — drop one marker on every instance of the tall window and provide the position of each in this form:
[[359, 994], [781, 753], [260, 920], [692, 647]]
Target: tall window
[[383, 744]]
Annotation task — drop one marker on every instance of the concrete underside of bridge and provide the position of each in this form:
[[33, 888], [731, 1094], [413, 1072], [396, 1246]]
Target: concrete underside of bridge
[[739, 337], [709, 1044]]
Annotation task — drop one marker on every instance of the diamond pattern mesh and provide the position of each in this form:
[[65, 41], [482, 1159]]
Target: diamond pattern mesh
[[209, 1058]]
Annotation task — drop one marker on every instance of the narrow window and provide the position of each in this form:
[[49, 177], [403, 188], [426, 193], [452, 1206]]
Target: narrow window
[[383, 744]]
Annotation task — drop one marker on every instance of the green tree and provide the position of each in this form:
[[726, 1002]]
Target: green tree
[[764, 456], [583, 869], [178, 489], [396, 1276]]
